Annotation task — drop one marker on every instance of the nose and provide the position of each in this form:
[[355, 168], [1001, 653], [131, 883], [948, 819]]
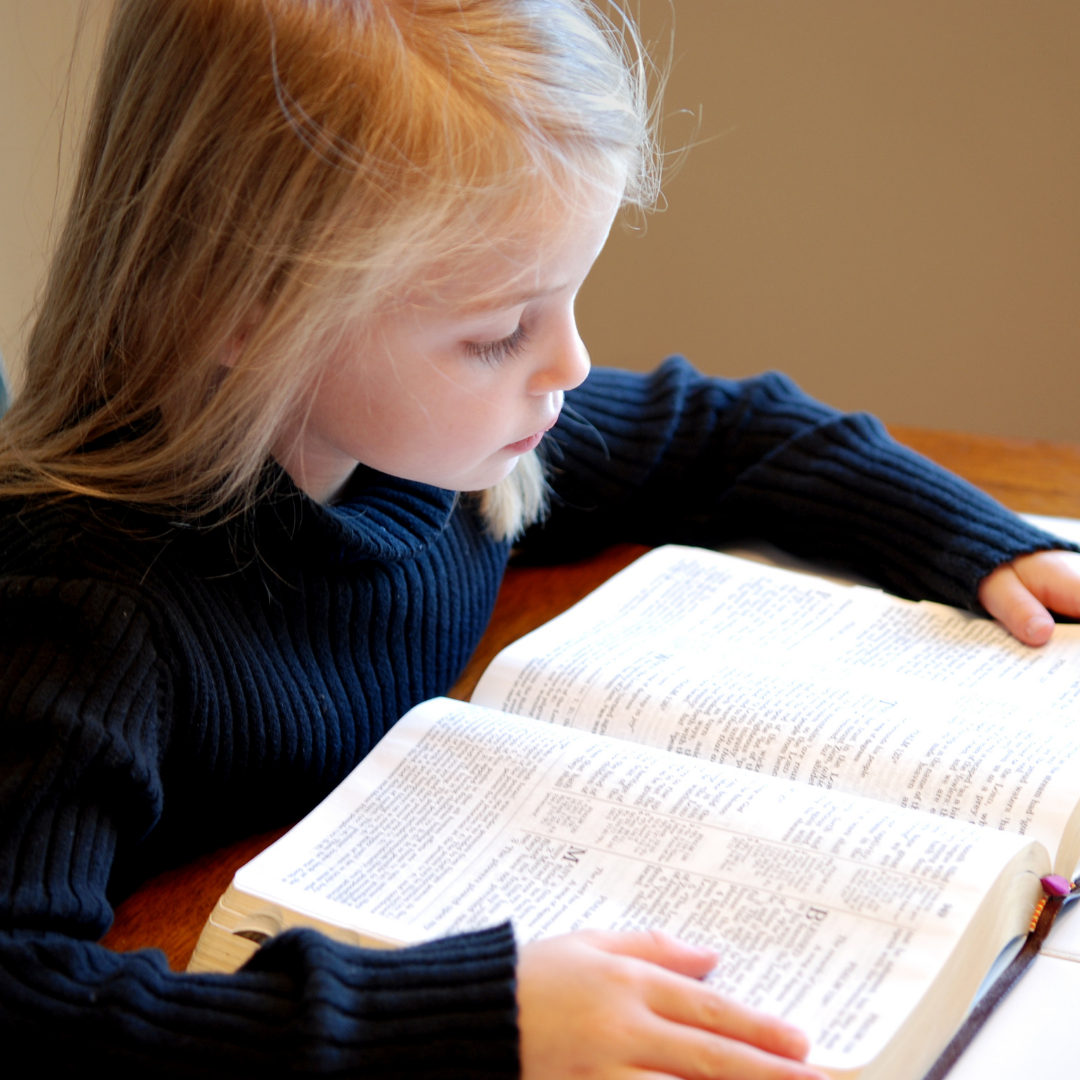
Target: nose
[[564, 365]]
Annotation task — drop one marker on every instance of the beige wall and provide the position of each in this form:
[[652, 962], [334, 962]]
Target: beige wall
[[888, 209], [884, 203], [38, 66]]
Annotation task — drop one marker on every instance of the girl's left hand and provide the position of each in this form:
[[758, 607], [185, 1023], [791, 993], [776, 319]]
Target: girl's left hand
[[1019, 593]]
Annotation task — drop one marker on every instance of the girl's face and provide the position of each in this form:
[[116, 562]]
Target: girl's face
[[451, 391]]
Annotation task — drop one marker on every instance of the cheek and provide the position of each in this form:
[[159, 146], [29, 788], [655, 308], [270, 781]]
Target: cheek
[[377, 393], [462, 397], [435, 426], [415, 410], [465, 429]]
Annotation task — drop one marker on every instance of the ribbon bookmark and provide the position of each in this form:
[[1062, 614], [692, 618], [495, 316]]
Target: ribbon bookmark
[[1058, 891]]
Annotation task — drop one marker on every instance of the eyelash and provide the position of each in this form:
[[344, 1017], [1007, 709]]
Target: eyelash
[[495, 352]]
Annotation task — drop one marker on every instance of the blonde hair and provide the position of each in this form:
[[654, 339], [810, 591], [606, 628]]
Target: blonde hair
[[257, 172]]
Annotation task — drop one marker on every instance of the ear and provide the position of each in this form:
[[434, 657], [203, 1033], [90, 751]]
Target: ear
[[234, 344], [231, 353]]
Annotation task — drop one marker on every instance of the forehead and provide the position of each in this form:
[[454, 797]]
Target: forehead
[[523, 255]]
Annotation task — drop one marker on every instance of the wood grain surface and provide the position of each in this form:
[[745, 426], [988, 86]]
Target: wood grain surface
[[1030, 476]]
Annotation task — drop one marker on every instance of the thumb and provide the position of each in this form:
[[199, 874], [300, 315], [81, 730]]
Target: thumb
[[656, 947], [1053, 578], [1009, 600]]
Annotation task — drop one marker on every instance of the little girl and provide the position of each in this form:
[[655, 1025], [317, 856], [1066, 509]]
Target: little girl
[[316, 282]]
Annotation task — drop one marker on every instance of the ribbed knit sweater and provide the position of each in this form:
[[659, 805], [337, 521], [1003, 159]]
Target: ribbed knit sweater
[[165, 688]]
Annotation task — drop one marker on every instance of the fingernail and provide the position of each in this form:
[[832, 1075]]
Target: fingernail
[[1038, 627]]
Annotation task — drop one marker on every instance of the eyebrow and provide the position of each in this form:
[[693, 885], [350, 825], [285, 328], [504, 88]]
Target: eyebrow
[[496, 303]]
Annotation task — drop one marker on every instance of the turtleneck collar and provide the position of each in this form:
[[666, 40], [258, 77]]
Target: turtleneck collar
[[378, 517]]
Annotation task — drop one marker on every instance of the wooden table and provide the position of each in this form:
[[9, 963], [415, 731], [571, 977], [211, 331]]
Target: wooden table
[[1029, 476]]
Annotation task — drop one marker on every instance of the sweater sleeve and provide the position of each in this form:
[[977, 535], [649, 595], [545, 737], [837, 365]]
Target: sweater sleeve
[[84, 715], [676, 456]]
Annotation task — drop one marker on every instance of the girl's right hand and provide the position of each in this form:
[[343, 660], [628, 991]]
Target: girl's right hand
[[630, 1005]]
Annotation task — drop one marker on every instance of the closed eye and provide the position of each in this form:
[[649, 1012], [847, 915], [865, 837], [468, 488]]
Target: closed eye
[[495, 352]]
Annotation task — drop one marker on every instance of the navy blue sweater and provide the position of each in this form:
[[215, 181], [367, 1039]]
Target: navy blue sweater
[[165, 688]]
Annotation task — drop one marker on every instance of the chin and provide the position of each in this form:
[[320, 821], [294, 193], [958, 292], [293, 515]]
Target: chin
[[489, 477]]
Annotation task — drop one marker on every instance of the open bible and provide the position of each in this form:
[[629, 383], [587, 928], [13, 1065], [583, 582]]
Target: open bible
[[851, 797]]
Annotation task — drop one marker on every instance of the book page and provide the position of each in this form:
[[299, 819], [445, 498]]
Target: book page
[[1066, 528], [833, 911], [799, 678]]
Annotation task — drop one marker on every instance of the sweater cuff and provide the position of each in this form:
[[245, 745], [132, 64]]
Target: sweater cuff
[[446, 1008]]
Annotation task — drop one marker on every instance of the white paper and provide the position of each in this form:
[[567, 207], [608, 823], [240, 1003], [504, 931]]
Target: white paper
[[917, 704], [1033, 1032], [463, 817]]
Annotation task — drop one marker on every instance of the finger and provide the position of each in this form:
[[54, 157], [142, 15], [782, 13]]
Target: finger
[[694, 1054], [1053, 578], [1008, 600], [696, 1005], [685, 1002], [656, 947], [804, 1072]]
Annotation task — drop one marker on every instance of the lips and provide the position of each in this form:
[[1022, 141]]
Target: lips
[[523, 446]]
